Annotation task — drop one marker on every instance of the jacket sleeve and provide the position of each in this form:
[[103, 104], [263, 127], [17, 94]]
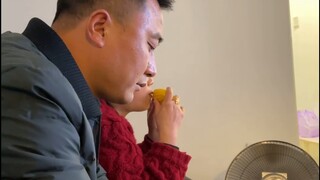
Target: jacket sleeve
[[38, 140], [101, 173]]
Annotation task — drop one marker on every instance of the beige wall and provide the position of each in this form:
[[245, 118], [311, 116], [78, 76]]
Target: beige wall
[[305, 43], [15, 14], [231, 63]]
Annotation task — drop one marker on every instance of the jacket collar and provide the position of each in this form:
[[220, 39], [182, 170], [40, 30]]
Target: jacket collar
[[52, 46]]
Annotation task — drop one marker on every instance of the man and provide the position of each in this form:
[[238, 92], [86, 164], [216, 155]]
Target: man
[[53, 76]]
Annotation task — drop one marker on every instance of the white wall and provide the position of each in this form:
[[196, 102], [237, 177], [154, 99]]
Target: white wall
[[305, 43], [231, 63], [15, 14]]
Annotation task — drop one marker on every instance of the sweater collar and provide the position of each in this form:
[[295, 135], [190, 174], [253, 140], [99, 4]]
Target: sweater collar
[[52, 46]]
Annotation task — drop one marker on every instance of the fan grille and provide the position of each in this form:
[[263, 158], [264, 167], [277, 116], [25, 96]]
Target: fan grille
[[273, 157]]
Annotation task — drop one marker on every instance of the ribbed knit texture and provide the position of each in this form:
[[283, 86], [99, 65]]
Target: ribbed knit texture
[[124, 159]]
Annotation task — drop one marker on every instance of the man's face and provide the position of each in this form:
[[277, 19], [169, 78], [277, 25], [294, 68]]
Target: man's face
[[129, 49]]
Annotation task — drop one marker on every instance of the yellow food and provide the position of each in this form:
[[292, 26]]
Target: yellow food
[[159, 94]]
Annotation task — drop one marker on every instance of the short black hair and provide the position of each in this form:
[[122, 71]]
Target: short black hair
[[118, 8]]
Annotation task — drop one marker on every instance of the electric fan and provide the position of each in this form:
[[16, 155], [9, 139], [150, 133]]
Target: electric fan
[[273, 160]]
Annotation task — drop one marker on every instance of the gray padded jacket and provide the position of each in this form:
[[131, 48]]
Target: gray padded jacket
[[50, 121]]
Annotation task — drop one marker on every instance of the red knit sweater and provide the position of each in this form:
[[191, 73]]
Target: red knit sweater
[[124, 159]]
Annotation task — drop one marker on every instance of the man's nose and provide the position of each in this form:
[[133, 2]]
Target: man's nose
[[151, 69]]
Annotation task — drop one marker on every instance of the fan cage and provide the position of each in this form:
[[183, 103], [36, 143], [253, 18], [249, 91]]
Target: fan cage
[[272, 156]]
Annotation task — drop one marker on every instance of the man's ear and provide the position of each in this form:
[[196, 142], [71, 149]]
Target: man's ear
[[99, 22]]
